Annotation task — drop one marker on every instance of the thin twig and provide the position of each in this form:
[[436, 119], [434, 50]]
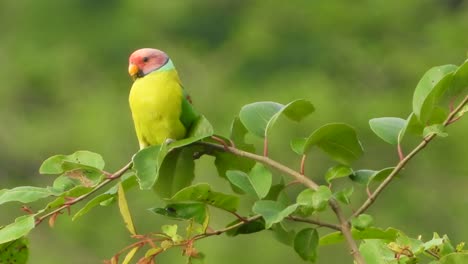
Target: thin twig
[[69, 203], [241, 218], [266, 161], [401, 156], [220, 231], [370, 200], [303, 160], [432, 254], [315, 222]]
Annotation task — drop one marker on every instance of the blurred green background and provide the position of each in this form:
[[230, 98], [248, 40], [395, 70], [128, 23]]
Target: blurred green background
[[65, 86]]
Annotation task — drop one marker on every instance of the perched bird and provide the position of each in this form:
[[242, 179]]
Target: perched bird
[[161, 109]]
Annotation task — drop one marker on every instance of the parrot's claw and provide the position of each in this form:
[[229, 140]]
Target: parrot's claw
[[168, 141]]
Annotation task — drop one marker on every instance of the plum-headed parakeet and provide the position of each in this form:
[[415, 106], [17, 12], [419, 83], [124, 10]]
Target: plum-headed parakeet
[[161, 109]]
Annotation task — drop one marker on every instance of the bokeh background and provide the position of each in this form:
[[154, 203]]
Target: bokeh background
[[64, 87]]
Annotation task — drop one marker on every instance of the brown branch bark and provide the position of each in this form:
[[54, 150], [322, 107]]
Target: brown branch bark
[[314, 222]]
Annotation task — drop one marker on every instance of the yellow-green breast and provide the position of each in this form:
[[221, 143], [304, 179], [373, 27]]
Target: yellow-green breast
[[155, 101]]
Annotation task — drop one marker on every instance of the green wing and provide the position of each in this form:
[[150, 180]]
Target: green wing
[[188, 116]]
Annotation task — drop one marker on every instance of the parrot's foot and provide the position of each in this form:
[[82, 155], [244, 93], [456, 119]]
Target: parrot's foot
[[169, 141]]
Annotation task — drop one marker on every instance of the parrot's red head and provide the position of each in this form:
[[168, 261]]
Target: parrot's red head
[[144, 61]]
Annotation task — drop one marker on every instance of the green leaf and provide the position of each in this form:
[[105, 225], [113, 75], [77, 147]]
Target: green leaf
[[242, 181], [64, 183], [147, 162], [439, 114], [454, 258], [282, 234], [202, 193], [260, 117], [305, 197], [176, 172], [375, 251], [344, 195], [305, 244], [338, 140], [24, 194], [403, 241], [18, 229], [460, 81], [273, 211], [146, 166], [196, 211], [275, 191], [437, 129], [127, 181], [296, 111], [338, 171], [389, 234], [171, 231], [226, 161], [366, 177], [257, 183], [429, 90], [238, 132], [248, 228], [80, 159], [435, 242], [448, 248], [381, 175], [317, 199], [261, 180], [362, 222], [413, 126], [200, 130], [131, 253], [387, 128], [125, 211], [298, 145], [91, 204], [362, 176], [256, 116], [16, 251]]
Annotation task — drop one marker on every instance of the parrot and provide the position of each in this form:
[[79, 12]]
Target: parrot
[[161, 108]]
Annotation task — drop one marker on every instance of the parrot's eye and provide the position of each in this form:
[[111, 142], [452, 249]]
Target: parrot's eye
[[145, 59]]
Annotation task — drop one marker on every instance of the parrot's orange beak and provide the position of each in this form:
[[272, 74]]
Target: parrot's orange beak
[[133, 70]]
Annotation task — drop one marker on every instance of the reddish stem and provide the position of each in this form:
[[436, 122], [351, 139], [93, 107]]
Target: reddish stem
[[238, 216], [265, 147], [453, 120], [303, 160], [369, 193], [220, 141], [400, 152]]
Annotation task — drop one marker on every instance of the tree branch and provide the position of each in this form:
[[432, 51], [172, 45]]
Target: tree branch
[[220, 231], [69, 203], [315, 222], [266, 161], [346, 231], [450, 119], [344, 225]]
